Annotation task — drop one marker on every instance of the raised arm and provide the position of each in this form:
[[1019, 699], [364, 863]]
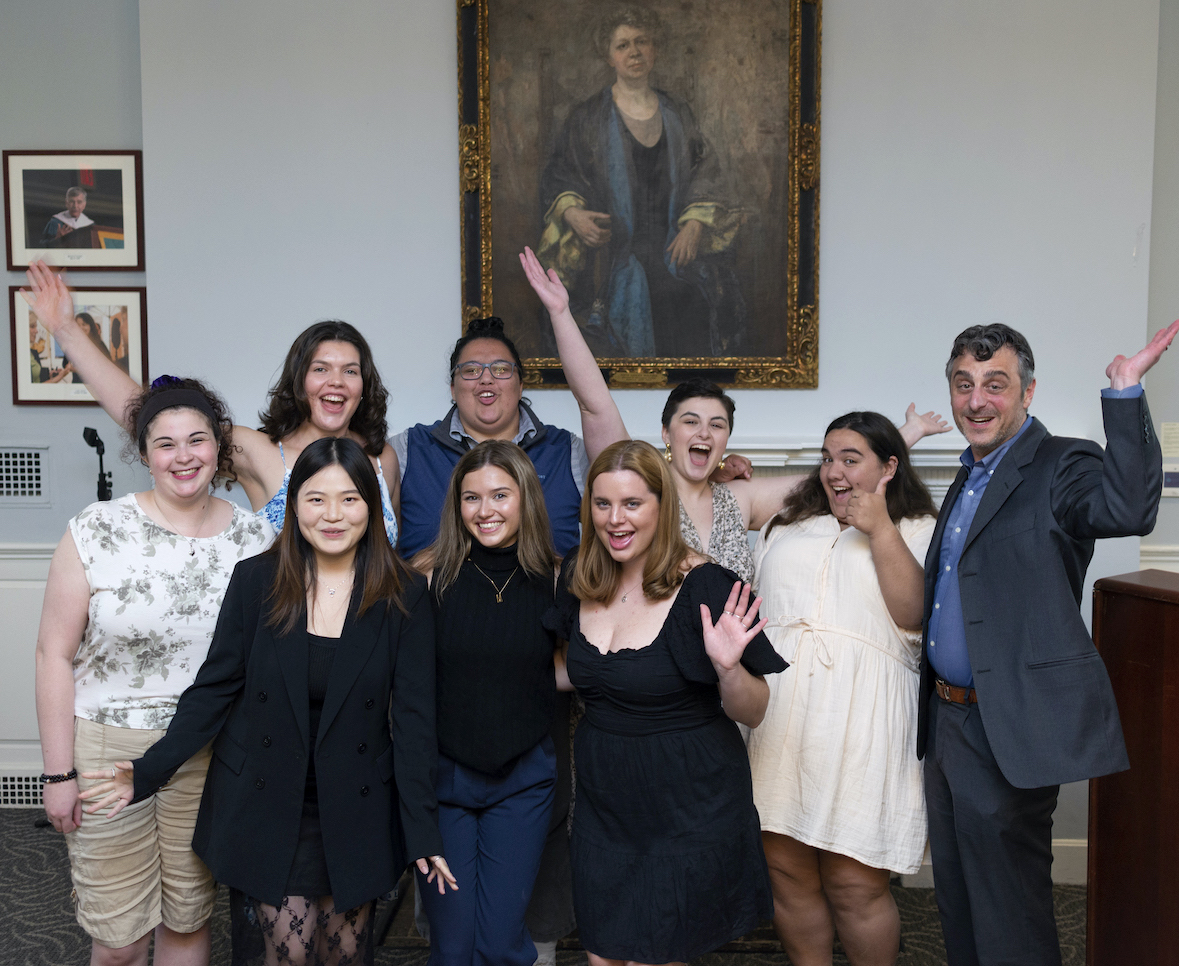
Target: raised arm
[[1124, 373], [50, 299], [919, 425], [601, 423], [63, 621]]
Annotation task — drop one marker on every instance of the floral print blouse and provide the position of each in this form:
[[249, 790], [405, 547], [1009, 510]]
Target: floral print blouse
[[154, 601]]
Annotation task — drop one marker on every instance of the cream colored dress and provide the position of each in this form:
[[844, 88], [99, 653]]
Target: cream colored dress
[[834, 762]]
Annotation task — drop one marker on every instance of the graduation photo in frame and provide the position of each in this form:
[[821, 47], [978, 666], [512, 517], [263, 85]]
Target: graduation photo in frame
[[81, 210]]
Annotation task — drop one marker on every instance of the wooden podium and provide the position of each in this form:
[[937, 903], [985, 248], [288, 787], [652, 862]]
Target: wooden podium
[[1133, 903]]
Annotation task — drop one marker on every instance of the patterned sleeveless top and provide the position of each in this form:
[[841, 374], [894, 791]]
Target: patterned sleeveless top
[[276, 510], [728, 544]]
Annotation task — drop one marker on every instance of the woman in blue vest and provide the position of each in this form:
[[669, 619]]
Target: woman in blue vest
[[329, 387]]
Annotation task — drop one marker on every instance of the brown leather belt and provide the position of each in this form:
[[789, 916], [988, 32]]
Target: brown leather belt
[[948, 692]]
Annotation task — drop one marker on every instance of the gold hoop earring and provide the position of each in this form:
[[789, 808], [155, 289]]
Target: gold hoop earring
[[721, 464], [667, 454]]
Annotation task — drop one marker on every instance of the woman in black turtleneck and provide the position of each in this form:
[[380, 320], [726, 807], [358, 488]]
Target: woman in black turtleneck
[[492, 575]]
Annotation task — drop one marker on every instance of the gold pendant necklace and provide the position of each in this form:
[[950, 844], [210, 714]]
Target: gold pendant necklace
[[498, 590]]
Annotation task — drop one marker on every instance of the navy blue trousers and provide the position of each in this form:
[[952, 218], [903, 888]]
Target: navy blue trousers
[[493, 834], [991, 845]]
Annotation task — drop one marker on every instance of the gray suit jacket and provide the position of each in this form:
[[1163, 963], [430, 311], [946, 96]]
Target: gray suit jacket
[[1043, 692]]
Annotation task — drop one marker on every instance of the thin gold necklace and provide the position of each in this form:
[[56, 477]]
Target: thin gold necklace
[[176, 529], [498, 590]]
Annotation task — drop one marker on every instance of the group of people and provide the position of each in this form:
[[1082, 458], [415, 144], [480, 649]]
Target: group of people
[[373, 669]]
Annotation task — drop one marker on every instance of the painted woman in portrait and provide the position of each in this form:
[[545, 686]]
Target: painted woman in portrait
[[638, 222]]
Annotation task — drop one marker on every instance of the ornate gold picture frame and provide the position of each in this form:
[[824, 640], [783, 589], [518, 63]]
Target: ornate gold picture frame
[[687, 230]]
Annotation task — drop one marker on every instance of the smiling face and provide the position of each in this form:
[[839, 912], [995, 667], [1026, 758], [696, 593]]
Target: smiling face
[[625, 514], [334, 386], [489, 408], [989, 406], [181, 452], [332, 514], [490, 505], [632, 53], [697, 435], [848, 465]]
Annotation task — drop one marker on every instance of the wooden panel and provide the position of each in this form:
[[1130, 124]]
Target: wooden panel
[[1133, 915]]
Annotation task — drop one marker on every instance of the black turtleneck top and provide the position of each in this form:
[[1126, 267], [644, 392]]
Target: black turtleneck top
[[496, 685]]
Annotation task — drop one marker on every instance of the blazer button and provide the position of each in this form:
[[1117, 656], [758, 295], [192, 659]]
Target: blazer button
[[363, 790], [261, 695], [266, 741], [361, 748], [260, 783], [369, 703]]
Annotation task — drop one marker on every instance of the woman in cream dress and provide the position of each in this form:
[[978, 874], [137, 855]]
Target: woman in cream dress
[[835, 778]]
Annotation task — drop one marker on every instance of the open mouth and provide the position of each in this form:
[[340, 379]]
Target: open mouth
[[333, 403], [699, 453], [841, 493], [492, 526], [487, 397], [620, 539]]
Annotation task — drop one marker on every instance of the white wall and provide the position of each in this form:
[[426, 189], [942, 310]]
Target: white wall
[[980, 162]]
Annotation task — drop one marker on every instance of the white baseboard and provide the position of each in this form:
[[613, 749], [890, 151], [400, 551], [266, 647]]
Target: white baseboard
[[1070, 862]]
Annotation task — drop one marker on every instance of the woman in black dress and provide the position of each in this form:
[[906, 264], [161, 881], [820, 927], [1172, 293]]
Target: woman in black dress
[[492, 571], [312, 805], [667, 856]]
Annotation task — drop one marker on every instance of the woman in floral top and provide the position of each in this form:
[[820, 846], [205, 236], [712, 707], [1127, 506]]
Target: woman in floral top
[[134, 591]]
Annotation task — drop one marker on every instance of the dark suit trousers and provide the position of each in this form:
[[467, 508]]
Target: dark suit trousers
[[991, 845]]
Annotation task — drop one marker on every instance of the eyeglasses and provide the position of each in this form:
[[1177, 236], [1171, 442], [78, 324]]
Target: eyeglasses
[[500, 369]]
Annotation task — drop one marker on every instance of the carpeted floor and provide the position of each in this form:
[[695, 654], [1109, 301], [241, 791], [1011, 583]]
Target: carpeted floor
[[39, 928]]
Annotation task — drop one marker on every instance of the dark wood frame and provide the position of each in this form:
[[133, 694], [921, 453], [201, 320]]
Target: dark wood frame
[[799, 367], [13, 297], [15, 220]]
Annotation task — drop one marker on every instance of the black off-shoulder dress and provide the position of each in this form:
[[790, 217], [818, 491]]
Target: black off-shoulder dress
[[666, 846]]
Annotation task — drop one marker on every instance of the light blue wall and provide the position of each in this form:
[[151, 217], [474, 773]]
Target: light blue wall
[[69, 79]]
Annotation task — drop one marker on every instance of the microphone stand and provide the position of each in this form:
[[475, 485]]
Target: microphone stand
[[90, 435]]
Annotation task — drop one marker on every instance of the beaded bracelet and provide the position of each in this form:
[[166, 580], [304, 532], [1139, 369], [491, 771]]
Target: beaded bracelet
[[54, 779]]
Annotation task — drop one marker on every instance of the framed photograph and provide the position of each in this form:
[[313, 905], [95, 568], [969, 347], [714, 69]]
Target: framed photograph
[[82, 210], [664, 160], [114, 318]]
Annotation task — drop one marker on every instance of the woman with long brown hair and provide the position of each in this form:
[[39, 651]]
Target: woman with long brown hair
[[329, 386], [835, 779], [311, 795], [667, 652], [492, 573]]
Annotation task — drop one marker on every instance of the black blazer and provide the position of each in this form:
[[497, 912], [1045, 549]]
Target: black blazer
[[1043, 692], [378, 807]]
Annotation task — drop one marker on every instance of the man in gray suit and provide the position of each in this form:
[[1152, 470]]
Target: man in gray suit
[[1015, 699]]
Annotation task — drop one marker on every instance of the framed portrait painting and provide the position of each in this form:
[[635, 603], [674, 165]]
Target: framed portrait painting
[[115, 319], [82, 210], [662, 156]]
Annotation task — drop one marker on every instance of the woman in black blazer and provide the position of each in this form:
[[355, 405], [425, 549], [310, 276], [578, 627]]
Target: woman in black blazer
[[313, 805]]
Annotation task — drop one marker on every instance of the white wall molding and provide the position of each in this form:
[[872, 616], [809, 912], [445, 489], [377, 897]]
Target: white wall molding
[[1159, 556]]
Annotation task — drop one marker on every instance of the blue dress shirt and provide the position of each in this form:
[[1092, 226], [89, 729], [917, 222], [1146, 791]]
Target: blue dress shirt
[[947, 631]]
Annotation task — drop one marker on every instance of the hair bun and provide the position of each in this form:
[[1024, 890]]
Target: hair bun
[[162, 382], [492, 323]]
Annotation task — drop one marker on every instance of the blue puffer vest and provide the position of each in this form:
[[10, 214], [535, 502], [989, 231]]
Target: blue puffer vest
[[431, 455]]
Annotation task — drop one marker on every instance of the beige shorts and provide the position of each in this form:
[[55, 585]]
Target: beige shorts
[[137, 870]]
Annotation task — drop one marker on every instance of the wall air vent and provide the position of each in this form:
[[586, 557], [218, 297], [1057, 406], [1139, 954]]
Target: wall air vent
[[24, 476]]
